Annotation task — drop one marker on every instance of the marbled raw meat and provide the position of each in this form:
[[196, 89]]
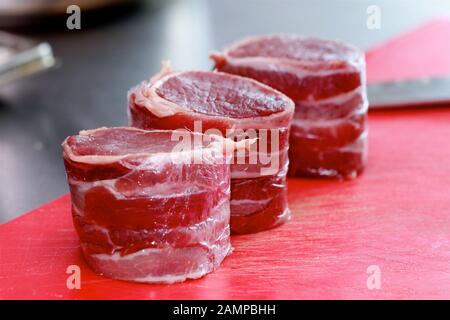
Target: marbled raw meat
[[145, 211], [326, 80], [233, 106]]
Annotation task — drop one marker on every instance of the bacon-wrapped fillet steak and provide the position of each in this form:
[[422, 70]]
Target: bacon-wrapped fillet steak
[[238, 108], [326, 81], [145, 209]]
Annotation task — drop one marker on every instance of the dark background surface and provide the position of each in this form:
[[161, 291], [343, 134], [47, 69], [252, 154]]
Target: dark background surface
[[116, 49]]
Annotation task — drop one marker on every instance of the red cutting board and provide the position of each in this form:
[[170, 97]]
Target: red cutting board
[[395, 216], [422, 52]]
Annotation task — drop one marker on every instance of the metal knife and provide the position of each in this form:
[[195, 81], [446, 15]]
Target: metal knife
[[416, 92], [20, 57]]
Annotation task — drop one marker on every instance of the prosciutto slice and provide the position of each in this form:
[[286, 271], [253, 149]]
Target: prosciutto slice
[[146, 209], [238, 108], [326, 81]]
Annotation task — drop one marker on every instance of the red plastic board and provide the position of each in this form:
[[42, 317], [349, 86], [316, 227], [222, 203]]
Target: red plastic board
[[395, 216]]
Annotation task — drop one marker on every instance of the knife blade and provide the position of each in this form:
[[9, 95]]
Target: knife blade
[[21, 57], [415, 92]]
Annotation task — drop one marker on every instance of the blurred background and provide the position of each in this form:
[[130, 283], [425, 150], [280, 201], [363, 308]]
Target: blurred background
[[121, 43]]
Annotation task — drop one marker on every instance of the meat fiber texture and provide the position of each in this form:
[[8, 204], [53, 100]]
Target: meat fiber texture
[[235, 107], [145, 209], [326, 80]]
